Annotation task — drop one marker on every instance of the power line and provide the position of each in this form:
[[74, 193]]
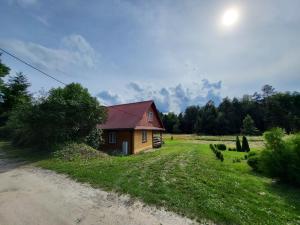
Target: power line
[[33, 67], [50, 76]]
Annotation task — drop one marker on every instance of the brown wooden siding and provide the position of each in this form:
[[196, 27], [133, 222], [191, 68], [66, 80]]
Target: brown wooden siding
[[138, 144], [121, 135]]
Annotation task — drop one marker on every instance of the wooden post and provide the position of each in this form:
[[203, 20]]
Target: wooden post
[[160, 138], [152, 139]]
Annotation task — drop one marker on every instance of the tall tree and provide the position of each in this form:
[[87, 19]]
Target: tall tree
[[171, 123], [238, 144], [66, 114], [208, 119], [190, 117], [245, 145], [249, 126], [267, 91], [4, 70], [15, 92]]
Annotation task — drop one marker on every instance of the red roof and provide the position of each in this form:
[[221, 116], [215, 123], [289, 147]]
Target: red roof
[[129, 116]]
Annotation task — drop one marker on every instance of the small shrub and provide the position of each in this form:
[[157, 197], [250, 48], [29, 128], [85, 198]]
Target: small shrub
[[221, 147], [73, 151], [94, 139], [4, 132], [172, 138], [245, 145], [281, 158], [251, 154], [238, 144], [254, 161], [221, 157], [236, 160], [218, 153]]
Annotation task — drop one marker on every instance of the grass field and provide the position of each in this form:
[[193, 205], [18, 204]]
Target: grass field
[[229, 140], [185, 177]]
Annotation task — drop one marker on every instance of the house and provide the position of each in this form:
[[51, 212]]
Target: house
[[131, 128]]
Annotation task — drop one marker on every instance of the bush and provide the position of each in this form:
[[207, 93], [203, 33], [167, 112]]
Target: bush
[[67, 114], [94, 139], [4, 132], [245, 145], [236, 160], [218, 153], [232, 149], [221, 157], [253, 161], [221, 147], [74, 151], [238, 144], [281, 158]]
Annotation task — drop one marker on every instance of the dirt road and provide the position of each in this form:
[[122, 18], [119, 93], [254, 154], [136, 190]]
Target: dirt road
[[33, 196]]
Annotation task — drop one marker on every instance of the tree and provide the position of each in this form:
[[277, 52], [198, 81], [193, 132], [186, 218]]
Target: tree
[[249, 126], [238, 144], [245, 145], [66, 114], [15, 92], [267, 91], [207, 120], [171, 122], [189, 119], [4, 70], [281, 156]]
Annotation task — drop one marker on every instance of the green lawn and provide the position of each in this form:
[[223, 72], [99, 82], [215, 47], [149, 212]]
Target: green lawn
[[185, 177]]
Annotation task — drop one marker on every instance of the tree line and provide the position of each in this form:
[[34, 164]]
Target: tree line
[[61, 115], [251, 114]]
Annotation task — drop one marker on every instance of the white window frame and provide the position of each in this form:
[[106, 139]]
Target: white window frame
[[144, 136], [150, 116], [112, 137]]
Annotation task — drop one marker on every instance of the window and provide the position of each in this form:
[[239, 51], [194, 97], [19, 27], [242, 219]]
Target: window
[[150, 116], [112, 138], [144, 136]]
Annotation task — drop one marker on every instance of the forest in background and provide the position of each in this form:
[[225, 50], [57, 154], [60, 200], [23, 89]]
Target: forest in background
[[251, 115]]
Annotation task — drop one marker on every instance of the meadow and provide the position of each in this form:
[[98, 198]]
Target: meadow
[[184, 176]]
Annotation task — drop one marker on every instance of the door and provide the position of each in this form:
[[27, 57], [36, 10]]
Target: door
[[125, 147]]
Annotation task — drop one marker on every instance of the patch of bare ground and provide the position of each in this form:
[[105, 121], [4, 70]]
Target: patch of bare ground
[[29, 195]]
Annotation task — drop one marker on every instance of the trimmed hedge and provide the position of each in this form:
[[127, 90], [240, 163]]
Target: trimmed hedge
[[218, 153]]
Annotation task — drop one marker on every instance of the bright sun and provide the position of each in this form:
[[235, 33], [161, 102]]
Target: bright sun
[[230, 17]]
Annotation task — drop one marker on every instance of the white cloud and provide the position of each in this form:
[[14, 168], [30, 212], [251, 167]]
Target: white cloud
[[42, 19], [23, 3], [75, 52], [170, 99]]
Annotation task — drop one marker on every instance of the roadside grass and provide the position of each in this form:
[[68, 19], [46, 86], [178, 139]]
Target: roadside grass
[[185, 177], [27, 154]]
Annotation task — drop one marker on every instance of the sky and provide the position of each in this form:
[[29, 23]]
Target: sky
[[177, 53]]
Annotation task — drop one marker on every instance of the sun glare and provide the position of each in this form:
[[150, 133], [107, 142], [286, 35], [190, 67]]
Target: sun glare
[[230, 17]]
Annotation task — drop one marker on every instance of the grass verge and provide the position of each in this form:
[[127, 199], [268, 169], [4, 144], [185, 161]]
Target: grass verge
[[186, 178]]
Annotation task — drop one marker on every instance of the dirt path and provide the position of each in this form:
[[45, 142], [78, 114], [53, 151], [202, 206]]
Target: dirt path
[[34, 196]]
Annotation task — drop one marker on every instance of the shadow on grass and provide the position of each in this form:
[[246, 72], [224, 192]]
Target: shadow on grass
[[12, 158], [289, 193]]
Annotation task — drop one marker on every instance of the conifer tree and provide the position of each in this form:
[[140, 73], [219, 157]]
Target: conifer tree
[[238, 144], [245, 145]]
